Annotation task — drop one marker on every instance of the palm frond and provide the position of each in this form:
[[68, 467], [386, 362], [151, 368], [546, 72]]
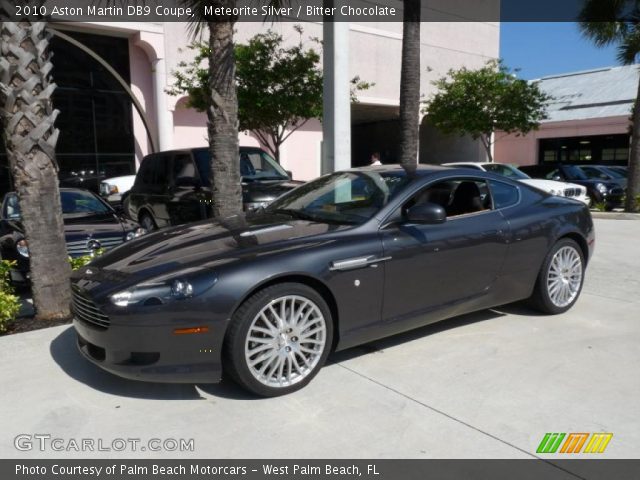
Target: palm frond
[[629, 47]]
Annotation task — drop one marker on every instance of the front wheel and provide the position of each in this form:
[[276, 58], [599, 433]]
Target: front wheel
[[560, 279], [278, 339], [146, 222]]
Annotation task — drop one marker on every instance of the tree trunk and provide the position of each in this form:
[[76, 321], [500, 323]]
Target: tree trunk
[[633, 182], [222, 116], [30, 139], [486, 143], [410, 83]]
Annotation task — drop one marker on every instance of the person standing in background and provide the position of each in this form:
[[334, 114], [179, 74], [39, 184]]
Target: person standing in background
[[375, 158]]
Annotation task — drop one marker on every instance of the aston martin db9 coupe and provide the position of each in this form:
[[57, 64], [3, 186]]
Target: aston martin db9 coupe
[[348, 258]]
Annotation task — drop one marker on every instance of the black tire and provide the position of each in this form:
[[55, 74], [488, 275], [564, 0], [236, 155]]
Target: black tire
[[147, 222], [234, 362], [541, 298]]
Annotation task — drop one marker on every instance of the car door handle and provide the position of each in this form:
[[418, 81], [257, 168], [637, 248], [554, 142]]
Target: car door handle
[[358, 262]]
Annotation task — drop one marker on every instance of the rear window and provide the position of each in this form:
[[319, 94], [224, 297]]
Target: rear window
[[504, 195]]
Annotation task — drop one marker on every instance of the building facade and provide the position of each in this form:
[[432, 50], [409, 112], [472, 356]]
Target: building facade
[[589, 120], [104, 133]]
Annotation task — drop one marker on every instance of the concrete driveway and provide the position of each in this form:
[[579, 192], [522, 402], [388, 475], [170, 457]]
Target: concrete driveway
[[486, 385]]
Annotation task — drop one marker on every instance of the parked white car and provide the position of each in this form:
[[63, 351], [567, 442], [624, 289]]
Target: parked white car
[[112, 189], [561, 189]]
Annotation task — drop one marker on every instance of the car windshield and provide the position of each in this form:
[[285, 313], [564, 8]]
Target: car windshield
[[78, 202], [573, 172], [73, 202], [254, 165], [615, 173], [506, 171], [343, 197]]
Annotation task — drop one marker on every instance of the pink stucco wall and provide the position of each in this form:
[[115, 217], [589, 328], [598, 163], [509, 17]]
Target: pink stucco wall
[[374, 54], [142, 87], [523, 150]]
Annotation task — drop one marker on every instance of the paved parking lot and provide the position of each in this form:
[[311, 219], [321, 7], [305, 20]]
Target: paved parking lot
[[485, 385]]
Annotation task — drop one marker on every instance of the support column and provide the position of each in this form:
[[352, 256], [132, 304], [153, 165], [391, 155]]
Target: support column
[[336, 121], [164, 118], [153, 46]]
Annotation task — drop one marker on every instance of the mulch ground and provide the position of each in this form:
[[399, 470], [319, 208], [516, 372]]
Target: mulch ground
[[27, 324]]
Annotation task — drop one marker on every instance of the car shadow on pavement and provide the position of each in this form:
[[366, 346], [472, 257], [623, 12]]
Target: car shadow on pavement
[[65, 353], [432, 329]]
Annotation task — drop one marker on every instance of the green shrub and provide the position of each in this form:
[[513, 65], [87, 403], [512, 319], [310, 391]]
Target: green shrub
[[600, 207], [9, 308], [79, 262], [9, 303], [5, 268]]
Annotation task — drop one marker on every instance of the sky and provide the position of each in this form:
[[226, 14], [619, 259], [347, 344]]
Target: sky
[[542, 49]]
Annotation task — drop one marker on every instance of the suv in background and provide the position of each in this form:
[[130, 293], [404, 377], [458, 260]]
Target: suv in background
[[599, 191], [174, 187]]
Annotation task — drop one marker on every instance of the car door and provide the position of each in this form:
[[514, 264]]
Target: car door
[[444, 267], [159, 189]]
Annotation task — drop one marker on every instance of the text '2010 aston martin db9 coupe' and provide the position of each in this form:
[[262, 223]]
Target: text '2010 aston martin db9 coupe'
[[343, 260]]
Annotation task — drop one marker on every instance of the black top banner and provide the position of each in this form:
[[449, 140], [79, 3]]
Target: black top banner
[[314, 10]]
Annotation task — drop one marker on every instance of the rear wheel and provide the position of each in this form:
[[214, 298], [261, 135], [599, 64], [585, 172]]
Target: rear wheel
[[560, 279], [147, 222], [278, 339]]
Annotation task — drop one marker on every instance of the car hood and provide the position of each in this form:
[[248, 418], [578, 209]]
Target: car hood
[[207, 245], [92, 225], [548, 185], [265, 191]]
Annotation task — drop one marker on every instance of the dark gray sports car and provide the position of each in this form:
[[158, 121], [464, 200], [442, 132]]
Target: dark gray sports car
[[345, 259]]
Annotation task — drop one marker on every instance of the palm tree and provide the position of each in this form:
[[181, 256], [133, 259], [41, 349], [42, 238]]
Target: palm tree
[[27, 118], [623, 29], [222, 111], [410, 83]]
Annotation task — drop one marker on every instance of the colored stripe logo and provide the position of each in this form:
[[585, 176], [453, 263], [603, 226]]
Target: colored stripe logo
[[573, 442]]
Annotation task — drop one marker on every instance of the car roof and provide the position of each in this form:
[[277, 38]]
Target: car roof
[[62, 189], [193, 149], [422, 169]]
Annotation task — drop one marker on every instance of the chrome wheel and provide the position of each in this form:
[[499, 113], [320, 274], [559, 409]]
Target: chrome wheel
[[564, 277], [285, 341]]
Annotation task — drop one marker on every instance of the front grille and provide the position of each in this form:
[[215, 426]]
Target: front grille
[[86, 311], [571, 192], [79, 248]]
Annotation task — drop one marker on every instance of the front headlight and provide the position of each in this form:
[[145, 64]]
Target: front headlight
[[138, 232], [162, 291], [554, 192], [23, 248], [602, 188]]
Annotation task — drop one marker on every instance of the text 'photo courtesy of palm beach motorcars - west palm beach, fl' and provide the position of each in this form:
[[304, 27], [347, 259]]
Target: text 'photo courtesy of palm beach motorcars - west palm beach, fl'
[[333, 263]]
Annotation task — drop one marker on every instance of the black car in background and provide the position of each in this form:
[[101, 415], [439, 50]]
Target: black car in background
[[602, 172], [89, 222], [600, 191], [173, 187], [343, 260]]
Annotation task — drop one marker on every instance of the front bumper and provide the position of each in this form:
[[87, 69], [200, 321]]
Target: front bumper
[[153, 353]]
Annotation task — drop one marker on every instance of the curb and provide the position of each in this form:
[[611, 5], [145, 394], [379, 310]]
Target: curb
[[616, 215]]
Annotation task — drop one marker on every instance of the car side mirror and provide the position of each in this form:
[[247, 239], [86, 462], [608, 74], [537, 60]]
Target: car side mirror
[[426, 213], [187, 182], [290, 174]]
